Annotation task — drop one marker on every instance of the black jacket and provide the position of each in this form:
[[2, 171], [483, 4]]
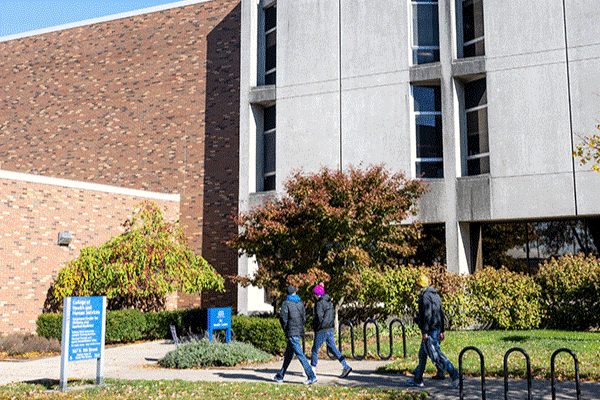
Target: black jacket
[[431, 313], [292, 316], [324, 315]]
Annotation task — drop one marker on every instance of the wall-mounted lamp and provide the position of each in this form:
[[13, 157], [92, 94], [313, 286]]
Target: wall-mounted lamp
[[64, 238]]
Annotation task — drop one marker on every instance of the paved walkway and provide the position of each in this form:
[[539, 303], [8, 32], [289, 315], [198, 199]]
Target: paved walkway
[[138, 361]]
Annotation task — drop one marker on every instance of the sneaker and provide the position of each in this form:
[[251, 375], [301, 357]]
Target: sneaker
[[277, 379], [345, 372], [412, 383], [310, 381], [454, 382]]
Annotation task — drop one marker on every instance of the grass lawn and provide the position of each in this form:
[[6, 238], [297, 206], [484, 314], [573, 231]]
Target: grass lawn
[[539, 345], [148, 390]]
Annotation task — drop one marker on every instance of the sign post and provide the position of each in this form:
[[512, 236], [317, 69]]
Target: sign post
[[219, 319], [83, 334]]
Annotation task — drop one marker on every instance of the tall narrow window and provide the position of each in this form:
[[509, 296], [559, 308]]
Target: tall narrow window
[[428, 131], [269, 149], [270, 44], [425, 32], [478, 149], [473, 37]]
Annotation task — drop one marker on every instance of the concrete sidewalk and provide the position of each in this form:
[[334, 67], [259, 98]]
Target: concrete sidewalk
[[139, 361]]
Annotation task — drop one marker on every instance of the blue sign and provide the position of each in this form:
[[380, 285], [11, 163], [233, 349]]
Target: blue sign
[[85, 335], [83, 330], [219, 319]]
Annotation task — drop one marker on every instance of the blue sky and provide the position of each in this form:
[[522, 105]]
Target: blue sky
[[17, 16]]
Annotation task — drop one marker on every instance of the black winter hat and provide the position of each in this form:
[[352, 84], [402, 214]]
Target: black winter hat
[[291, 289]]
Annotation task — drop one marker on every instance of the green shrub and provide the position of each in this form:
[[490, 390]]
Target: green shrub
[[49, 325], [264, 333], [124, 326], [203, 353], [571, 292], [506, 299]]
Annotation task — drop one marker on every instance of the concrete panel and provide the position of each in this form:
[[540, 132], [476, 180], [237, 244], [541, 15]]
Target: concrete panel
[[588, 192], [533, 196], [375, 127], [307, 134], [432, 208], [582, 22], [528, 122], [473, 198], [307, 41], [522, 27], [374, 37], [585, 97]]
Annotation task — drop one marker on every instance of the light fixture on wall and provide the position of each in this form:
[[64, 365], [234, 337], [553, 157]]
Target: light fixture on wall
[[64, 238]]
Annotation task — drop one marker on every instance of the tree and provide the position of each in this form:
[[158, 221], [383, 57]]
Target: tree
[[589, 151], [329, 227], [138, 268]]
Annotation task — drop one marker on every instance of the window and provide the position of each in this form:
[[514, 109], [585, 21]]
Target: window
[[270, 14], [425, 32], [428, 131], [269, 148], [478, 150], [472, 24]]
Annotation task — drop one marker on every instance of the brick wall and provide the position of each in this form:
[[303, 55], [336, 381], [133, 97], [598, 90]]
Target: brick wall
[[149, 102], [31, 215]]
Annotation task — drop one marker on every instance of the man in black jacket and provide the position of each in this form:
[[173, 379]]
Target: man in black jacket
[[323, 324], [292, 317], [431, 322]]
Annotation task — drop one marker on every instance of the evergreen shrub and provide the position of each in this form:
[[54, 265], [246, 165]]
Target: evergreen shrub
[[264, 333], [570, 292], [504, 299]]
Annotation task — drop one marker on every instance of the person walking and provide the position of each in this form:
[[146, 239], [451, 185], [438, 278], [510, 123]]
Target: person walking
[[292, 317], [431, 323], [323, 324]]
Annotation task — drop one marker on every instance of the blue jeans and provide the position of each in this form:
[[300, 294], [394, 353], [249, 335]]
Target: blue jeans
[[431, 349], [294, 346], [321, 338]]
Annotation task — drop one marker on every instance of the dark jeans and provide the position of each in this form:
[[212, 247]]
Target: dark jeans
[[321, 338], [431, 349], [294, 346]]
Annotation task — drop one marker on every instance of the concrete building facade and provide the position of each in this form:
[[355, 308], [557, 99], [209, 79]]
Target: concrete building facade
[[483, 99]]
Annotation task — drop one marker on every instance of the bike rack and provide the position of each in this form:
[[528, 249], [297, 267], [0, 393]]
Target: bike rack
[[398, 320], [506, 371], [576, 371], [377, 338], [349, 324], [460, 371]]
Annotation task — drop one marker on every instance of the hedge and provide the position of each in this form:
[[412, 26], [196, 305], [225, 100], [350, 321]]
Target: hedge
[[124, 326], [264, 333]]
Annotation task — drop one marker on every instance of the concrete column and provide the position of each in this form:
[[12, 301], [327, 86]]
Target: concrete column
[[457, 235]]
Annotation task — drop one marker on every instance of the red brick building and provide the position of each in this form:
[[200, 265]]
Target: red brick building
[[147, 102]]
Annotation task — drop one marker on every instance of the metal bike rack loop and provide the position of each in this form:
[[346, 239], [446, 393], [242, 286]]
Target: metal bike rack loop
[[554, 376], [506, 371], [349, 324], [460, 371]]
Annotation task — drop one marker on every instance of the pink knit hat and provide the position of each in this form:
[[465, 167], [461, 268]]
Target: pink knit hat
[[319, 290]]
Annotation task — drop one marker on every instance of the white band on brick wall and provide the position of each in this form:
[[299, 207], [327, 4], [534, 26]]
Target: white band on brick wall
[[17, 176]]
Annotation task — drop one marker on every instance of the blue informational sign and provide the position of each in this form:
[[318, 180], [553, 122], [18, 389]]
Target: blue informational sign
[[85, 336], [83, 331], [219, 319]]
